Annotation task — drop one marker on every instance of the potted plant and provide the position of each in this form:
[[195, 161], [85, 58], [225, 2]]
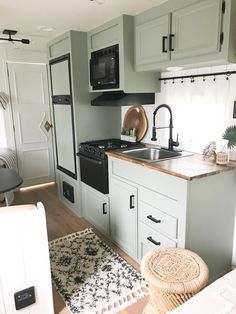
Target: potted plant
[[222, 158], [128, 134]]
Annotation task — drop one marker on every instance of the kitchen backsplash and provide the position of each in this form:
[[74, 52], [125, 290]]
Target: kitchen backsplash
[[201, 110]]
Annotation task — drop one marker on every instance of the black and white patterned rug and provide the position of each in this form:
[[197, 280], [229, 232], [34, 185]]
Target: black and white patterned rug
[[91, 277]]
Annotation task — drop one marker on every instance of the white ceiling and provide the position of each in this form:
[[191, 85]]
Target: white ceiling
[[62, 15]]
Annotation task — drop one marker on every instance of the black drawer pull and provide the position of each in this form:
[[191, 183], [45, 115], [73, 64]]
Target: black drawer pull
[[164, 39], [171, 42], [131, 202], [153, 241], [157, 221], [104, 211]]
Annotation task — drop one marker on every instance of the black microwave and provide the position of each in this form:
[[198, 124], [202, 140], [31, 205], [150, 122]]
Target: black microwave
[[104, 68]]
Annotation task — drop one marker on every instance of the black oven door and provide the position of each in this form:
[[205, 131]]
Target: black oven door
[[94, 173], [104, 70]]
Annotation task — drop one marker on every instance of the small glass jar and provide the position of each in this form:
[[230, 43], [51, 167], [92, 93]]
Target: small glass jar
[[222, 158]]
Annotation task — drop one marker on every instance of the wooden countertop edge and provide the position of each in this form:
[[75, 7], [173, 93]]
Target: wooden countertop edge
[[161, 168]]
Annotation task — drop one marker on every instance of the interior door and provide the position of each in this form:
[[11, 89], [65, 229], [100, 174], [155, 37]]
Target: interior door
[[63, 115], [196, 29], [32, 122]]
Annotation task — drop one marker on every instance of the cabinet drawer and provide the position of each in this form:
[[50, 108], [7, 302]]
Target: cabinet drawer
[[157, 219], [162, 202], [150, 239]]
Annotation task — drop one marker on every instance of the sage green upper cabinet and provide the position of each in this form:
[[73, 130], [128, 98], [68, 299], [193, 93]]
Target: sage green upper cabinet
[[121, 31], [151, 41], [189, 34], [196, 30]]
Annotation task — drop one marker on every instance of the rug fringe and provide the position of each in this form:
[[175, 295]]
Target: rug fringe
[[125, 301], [71, 236]]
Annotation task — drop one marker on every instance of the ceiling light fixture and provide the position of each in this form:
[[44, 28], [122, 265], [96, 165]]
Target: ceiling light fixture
[[10, 33], [98, 1], [45, 28], [174, 69]]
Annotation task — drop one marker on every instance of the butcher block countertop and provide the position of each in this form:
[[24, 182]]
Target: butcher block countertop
[[187, 167]]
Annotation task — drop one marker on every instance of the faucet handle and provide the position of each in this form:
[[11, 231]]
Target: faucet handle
[[176, 143]]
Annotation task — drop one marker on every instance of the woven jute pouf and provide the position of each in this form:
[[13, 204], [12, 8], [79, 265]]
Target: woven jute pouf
[[173, 275]]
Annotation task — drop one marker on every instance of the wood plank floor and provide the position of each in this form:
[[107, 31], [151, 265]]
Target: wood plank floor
[[61, 221]]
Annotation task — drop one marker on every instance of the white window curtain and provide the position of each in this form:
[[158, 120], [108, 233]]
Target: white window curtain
[[201, 110]]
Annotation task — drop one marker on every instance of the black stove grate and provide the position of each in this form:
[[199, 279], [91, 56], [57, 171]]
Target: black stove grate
[[97, 149]]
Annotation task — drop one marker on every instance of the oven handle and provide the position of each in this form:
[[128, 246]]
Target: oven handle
[[97, 162]]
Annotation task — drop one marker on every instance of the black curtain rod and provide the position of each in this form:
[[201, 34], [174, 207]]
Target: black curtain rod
[[196, 75]]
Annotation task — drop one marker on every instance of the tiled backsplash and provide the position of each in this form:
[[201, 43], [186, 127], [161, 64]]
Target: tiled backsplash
[[201, 110]]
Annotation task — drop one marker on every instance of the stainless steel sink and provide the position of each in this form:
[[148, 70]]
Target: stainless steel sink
[[153, 154]]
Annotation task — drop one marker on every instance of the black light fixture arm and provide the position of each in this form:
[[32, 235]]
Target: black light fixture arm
[[10, 32]]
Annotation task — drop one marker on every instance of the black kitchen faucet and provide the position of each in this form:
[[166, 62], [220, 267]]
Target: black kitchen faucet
[[171, 143]]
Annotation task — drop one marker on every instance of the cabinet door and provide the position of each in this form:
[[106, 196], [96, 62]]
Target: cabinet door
[[152, 41], [123, 215], [96, 208], [196, 29]]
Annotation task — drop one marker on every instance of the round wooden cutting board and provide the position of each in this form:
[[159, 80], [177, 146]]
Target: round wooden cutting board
[[135, 117]]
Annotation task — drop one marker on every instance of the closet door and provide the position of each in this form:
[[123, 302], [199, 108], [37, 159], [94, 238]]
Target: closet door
[[63, 115]]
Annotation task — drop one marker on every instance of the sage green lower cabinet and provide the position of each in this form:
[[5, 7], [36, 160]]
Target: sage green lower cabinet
[[123, 215], [95, 207], [170, 211]]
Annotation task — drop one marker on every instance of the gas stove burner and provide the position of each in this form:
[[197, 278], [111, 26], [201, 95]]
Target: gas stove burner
[[97, 149], [101, 146]]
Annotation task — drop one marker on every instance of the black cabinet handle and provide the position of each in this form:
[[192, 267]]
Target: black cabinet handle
[[104, 211], [131, 202], [171, 42], [153, 241], [157, 221], [164, 39]]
